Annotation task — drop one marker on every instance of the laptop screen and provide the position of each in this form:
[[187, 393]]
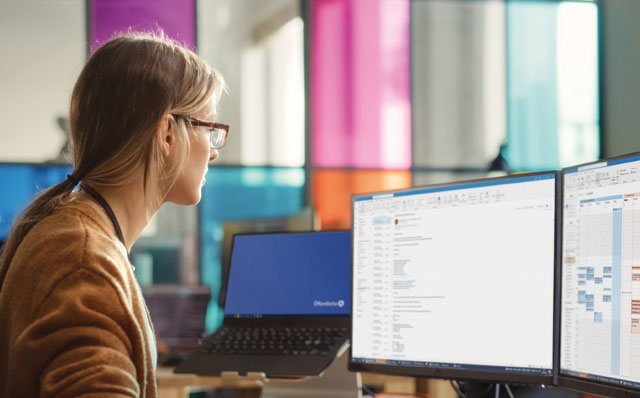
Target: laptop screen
[[290, 274]]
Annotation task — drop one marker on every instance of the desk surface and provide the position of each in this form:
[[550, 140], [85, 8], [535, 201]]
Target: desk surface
[[172, 385], [168, 380]]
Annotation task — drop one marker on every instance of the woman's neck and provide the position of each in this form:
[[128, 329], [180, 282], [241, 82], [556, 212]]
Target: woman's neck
[[130, 208]]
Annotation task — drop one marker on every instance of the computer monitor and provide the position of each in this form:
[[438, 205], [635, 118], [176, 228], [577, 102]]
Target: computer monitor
[[457, 280], [20, 181], [600, 311]]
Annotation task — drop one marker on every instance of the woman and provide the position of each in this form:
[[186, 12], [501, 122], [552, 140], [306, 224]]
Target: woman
[[73, 322]]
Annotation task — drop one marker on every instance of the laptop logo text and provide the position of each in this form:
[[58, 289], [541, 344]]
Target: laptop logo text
[[318, 303]]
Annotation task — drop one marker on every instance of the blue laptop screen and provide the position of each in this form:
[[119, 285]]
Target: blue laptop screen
[[290, 274]]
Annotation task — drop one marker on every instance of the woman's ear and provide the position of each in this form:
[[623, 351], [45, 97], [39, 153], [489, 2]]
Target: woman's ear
[[165, 134]]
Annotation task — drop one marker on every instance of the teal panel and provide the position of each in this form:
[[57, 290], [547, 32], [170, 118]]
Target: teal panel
[[550, 123], [240, 193]]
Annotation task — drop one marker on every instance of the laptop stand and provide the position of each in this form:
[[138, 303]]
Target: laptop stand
[[336, 382]]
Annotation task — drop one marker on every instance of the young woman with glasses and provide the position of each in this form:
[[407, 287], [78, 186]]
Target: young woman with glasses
[[73, 322]]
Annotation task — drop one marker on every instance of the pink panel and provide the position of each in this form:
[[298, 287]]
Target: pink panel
[[330, 90], [396, 75], [177, 18], [367, 81], [360, 94]]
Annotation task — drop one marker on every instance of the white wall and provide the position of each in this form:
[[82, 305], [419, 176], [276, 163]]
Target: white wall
[[458, 82], [233, 36], [42, 50]]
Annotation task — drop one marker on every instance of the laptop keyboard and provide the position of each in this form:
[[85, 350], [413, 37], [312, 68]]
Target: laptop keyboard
[[273, 341]]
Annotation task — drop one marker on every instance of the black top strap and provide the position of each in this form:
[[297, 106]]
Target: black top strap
[[107, 209]]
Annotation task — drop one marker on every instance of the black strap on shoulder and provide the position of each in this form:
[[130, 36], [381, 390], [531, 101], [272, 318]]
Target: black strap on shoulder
[[106, 208]]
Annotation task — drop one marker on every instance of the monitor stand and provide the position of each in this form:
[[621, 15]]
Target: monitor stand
[[336, 382], [479, 390], [485, 390]]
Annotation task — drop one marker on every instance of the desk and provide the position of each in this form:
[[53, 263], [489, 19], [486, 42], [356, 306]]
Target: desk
[[336, 382], [433, 387], [171, 385], [386, 383]]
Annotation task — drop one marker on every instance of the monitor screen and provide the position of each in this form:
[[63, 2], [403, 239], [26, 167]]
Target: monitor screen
[[600, 313], [456, 281], [290, 274], [20, 181]]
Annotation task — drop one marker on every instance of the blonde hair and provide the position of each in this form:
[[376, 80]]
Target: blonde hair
[[121, 95]]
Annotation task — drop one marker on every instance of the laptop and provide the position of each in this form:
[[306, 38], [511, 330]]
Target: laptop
[[287, 307], [178, 314]]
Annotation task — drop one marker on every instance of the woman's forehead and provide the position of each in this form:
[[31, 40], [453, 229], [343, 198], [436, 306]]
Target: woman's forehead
[[208, 112]]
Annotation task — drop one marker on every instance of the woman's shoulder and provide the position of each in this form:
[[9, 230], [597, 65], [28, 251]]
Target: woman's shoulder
[[77, 235], [75, 239], [72, 225]]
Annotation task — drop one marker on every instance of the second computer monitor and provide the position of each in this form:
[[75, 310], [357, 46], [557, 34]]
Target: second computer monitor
[[456, 281], [600, 313]]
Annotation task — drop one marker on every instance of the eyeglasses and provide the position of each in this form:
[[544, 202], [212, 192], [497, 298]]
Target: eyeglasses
[[218, 131]]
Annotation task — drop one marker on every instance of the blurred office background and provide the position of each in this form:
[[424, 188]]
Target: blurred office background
[[328, 98]]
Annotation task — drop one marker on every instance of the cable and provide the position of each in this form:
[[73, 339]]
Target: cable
[[506, 386], [367, 391], [457, 388]]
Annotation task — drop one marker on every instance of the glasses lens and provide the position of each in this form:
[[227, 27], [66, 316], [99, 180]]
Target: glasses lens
[[218, 137]]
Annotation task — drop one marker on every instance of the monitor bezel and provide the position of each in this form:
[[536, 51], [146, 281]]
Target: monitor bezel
[[467, 374], [575, 382]]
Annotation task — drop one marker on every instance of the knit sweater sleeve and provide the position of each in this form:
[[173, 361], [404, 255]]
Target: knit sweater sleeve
[[81, 335]]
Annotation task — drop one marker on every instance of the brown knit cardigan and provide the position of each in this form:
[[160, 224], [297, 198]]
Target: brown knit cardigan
[[73, 322]]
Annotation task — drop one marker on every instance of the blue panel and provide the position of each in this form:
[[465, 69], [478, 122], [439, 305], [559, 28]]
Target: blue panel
[[19, 184], [241, 193]]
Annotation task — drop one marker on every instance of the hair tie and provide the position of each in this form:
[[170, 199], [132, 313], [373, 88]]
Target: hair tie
[[73, 179]]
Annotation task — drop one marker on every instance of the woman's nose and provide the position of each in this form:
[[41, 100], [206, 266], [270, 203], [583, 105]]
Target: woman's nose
[[213, 154]]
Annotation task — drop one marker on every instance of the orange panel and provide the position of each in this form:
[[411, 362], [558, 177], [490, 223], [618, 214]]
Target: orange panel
[[331, 191]]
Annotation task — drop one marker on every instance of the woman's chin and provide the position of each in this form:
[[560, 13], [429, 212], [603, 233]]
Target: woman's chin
[[194, 200], [187, 200]]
